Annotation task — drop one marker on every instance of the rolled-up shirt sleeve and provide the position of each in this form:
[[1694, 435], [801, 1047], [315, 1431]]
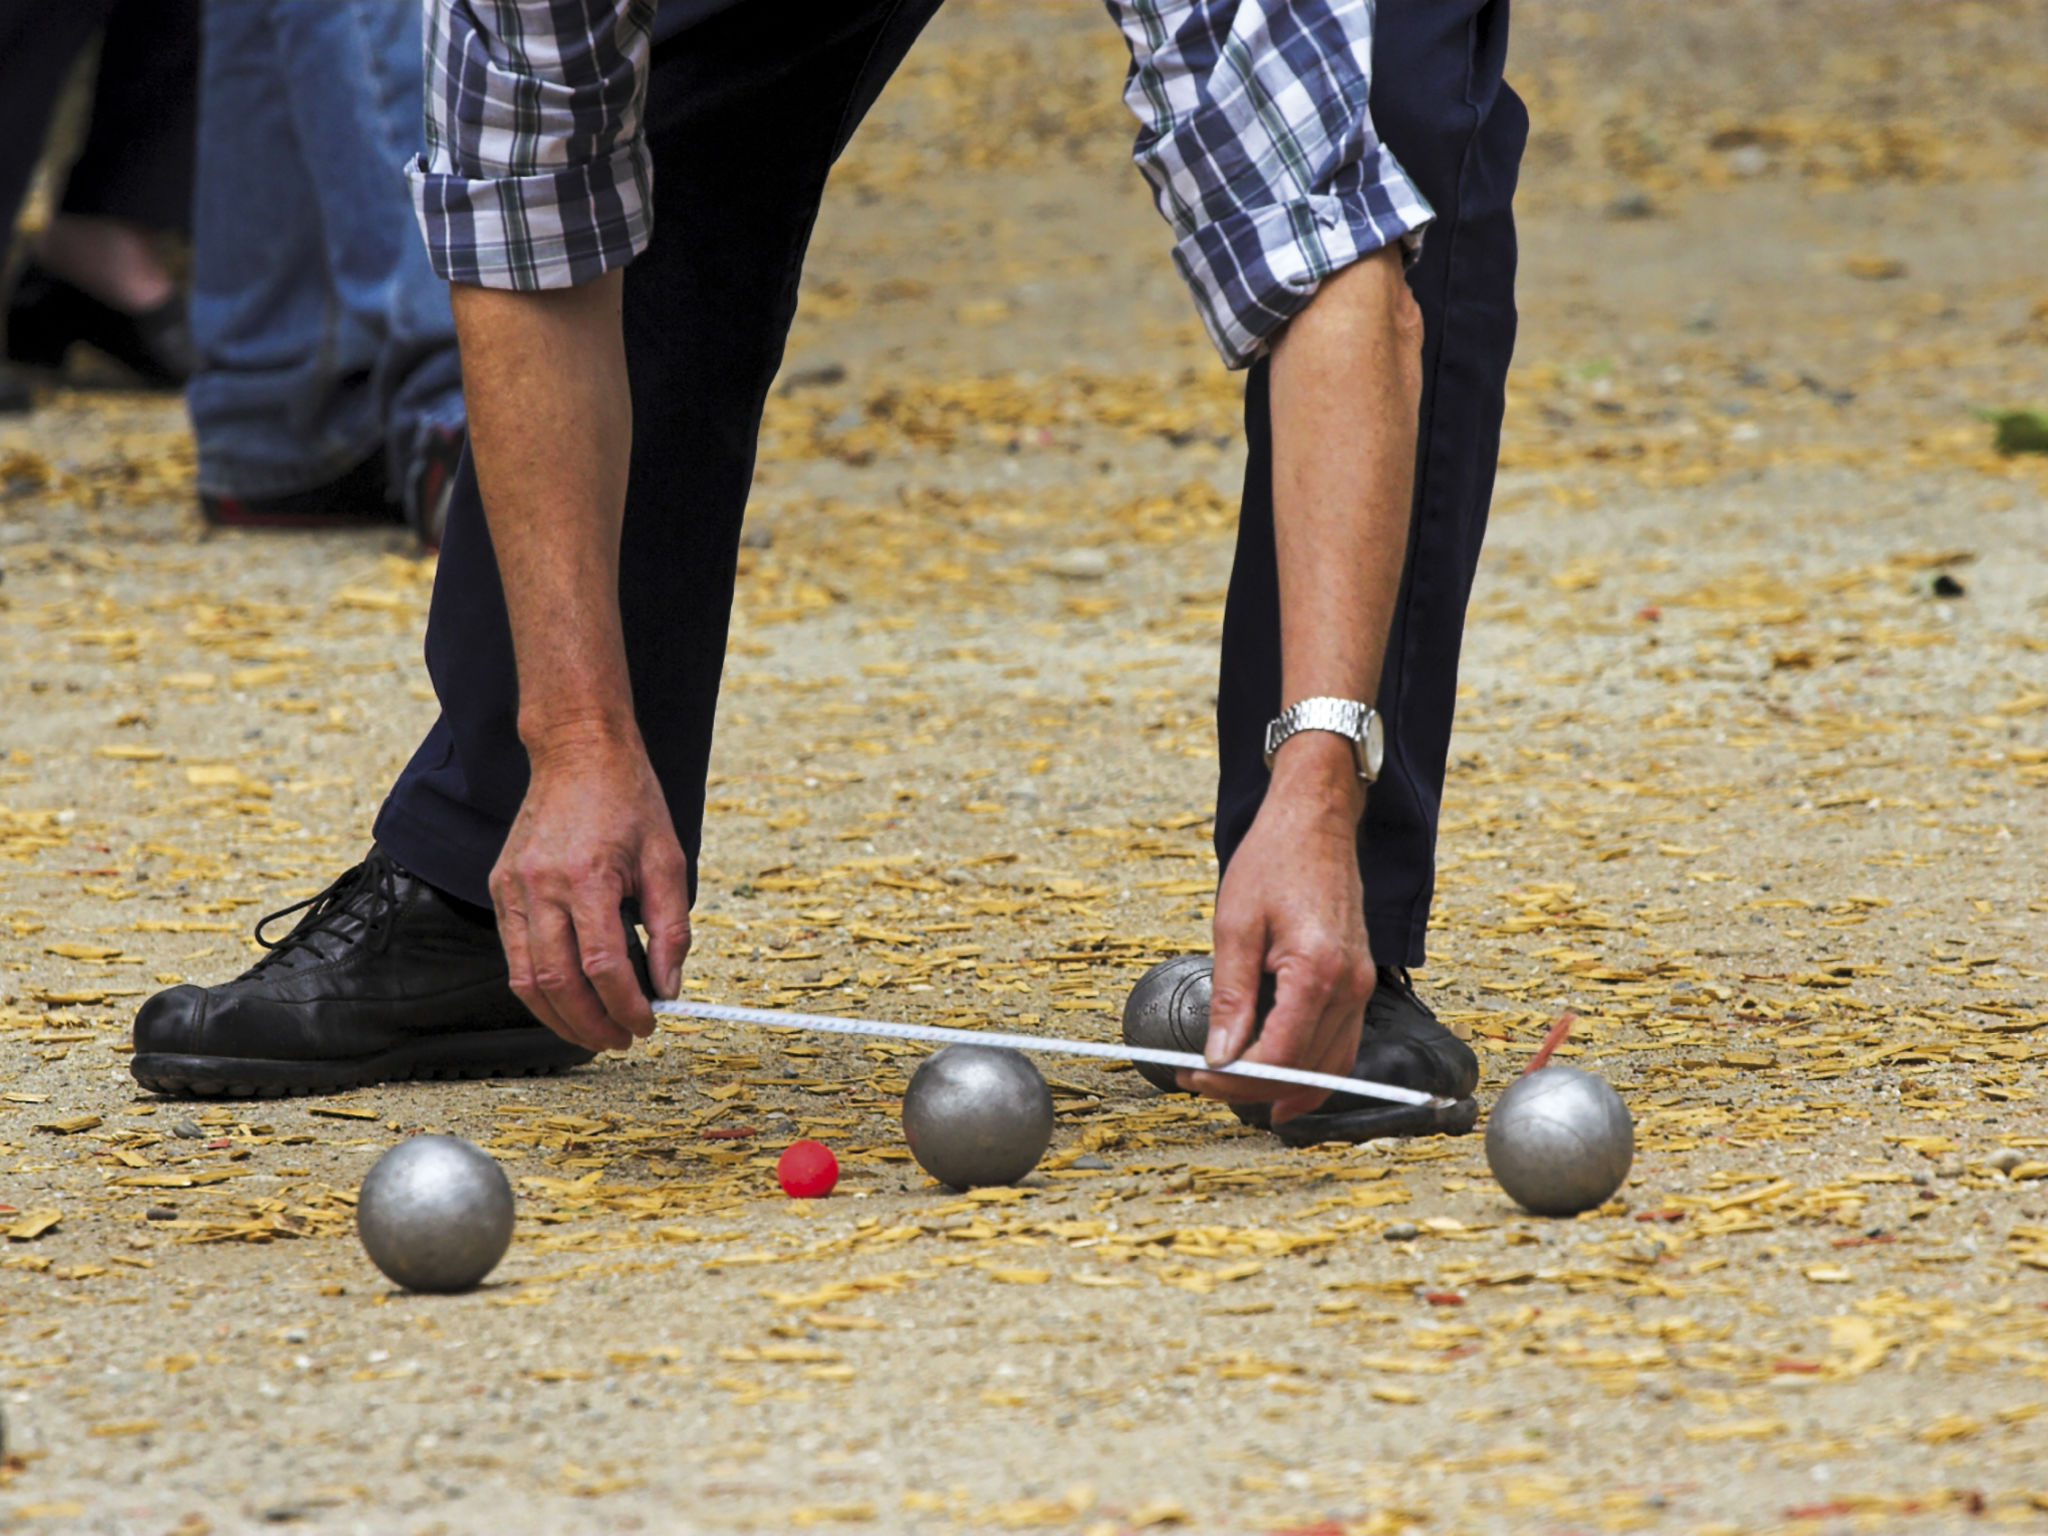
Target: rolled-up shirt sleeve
[[536, 174], [1256, 134]]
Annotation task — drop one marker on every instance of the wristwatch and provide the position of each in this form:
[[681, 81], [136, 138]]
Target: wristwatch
[[1357, 723]]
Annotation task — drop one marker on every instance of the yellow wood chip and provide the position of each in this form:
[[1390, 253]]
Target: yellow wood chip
[[1158, 1512], [831, 1514], [32, 1224], [71, 1125], [1737, 1429]]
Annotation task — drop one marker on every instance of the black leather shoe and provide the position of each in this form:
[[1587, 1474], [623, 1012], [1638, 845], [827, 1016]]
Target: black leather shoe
[[48, 315], [382, 978], [1406, 1046], [17, 392]]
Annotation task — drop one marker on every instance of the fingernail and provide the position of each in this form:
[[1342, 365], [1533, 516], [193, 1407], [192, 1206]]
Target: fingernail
[[672, 986], [1216, 1050]]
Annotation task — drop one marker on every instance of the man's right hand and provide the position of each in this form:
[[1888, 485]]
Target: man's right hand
[[594, 830], [551, 430]]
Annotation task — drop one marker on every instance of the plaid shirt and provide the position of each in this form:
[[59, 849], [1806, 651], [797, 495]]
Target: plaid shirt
[[1254, 132]]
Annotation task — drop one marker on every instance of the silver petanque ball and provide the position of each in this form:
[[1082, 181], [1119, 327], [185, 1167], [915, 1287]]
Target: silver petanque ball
[[435, 1213], [1168, 1010], [1560, 1141], [976, 1115]]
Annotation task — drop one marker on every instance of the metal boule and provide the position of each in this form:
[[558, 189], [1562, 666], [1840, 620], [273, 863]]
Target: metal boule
[[1560, 1141], [977, 1115], [1168, 1010], [435, 1213]]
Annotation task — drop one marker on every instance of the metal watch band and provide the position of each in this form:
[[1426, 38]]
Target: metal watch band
[[1357, 723]]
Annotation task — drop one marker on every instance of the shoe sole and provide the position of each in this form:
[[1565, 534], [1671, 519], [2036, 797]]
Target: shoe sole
[[305, 522], [1378, 1121], [1369, 1122], [497, 1053]]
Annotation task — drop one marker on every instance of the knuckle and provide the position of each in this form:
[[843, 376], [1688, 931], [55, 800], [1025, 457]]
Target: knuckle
[[596, 868], [1327, 969]]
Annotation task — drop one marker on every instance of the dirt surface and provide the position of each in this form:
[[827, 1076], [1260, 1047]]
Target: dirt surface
[[1750, 772]]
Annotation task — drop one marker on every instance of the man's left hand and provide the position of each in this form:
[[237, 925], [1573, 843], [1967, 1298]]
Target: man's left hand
[[1291, 905]]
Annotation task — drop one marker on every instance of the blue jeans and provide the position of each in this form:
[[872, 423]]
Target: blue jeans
[[324, 337]]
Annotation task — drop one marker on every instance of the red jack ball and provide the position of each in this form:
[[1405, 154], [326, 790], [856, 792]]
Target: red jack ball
[[806, 1170]]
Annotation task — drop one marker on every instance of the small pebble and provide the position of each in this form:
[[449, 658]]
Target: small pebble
[[187, 1129], [1950, 1171], [161, 1213], [1080, 564], [1400, 1231], [2005, 1159], [1090, 1161]]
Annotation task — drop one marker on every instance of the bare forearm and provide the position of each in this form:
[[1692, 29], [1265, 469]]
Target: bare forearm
[[1345, 381], [1346, 378], [550, 423]]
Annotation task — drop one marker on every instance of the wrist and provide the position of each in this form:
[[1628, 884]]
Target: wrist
[[1317, 771], [567, 736]]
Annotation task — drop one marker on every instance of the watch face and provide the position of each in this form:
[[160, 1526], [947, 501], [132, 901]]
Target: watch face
[[1375, 744]]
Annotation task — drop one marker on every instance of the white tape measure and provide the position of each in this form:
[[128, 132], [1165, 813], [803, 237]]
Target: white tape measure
[[826, 1023]]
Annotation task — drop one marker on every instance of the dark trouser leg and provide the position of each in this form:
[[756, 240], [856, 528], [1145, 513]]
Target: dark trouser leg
[[137, 159], [38, 43], [1440, 104], [745, 115]]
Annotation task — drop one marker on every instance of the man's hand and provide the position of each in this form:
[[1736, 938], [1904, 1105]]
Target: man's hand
[[1346, 381], [593, 831], [1291, 905], [550, 424]]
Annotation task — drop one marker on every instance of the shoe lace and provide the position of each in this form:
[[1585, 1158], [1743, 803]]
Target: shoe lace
[[376, 877]]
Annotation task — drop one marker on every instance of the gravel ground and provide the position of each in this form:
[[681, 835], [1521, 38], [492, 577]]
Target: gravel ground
[[1750, 773]]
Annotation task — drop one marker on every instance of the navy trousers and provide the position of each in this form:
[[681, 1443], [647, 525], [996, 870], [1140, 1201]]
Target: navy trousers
[[744, 125]]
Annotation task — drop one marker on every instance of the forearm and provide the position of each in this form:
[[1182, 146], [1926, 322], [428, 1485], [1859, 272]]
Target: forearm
[[550, 424], [1346, 380]]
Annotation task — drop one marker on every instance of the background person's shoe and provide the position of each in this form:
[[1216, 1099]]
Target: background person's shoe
[[430, 481], [384, 977], [1406, 1045], [357, 500], [49, 314], [17, 391]]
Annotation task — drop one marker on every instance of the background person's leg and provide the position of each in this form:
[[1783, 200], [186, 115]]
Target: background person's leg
[[357, 79], [39, 41], [1440, 104], [137, 161], [282, 399], [745, 114]]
